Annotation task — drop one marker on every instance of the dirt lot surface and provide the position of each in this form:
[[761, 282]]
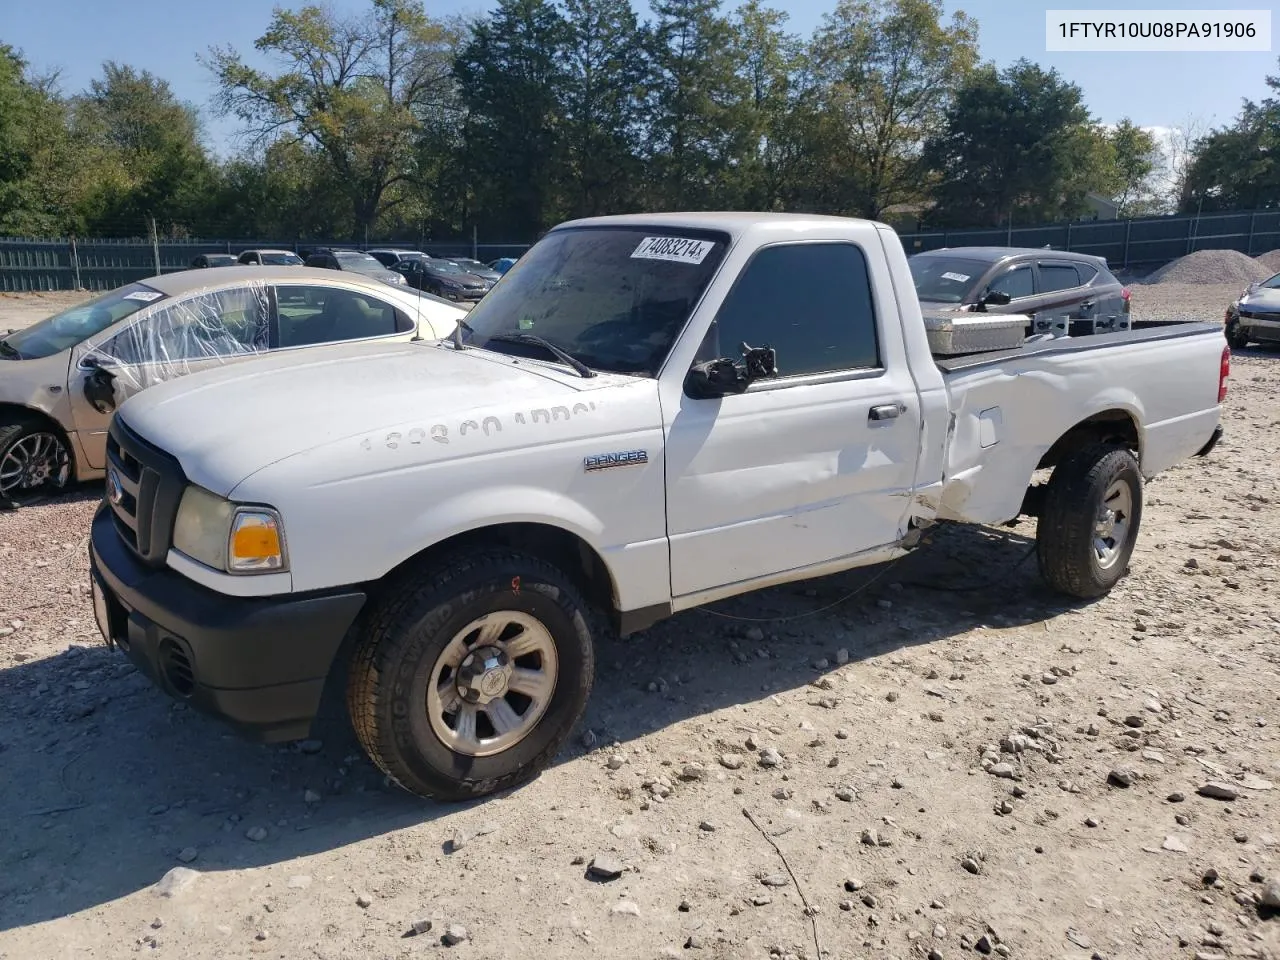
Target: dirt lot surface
[[939, 757]]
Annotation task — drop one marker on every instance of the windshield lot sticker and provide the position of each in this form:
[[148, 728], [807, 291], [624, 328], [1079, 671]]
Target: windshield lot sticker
[[675, 249], [146, 296], [957, 277]]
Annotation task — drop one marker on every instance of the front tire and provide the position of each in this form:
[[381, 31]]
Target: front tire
[[34, 462], [1237, 338], [470, 675], [1089, 524]]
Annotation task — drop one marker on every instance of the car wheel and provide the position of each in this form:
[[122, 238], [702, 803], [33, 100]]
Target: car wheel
[[470, 675], [1237, 337], [1089, 524], [34, 462]]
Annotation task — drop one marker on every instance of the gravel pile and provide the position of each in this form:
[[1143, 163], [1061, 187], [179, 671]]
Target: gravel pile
[[1211, 266], [1270, 260]]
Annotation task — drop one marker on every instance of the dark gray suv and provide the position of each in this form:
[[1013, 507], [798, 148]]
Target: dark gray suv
[[1063, 293]]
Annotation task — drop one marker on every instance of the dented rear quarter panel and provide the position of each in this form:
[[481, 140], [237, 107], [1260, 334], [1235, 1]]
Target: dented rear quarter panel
[[1168, 387]]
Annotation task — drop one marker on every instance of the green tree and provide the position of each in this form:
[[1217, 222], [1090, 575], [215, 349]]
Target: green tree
[[42, 177], [602, 106], [887, 70], [1237, 167], [1134, 159], [356, 89], [698, 134], [511, 79], [769, 61], [1018, 142], [152, 162]]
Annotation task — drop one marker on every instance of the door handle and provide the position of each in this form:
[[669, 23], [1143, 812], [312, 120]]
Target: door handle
[[886, 411]]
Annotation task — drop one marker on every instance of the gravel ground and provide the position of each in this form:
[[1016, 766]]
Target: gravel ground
[[939, 757]]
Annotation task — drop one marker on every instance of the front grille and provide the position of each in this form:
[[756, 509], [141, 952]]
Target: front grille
[[144, 485], [1260, 314]]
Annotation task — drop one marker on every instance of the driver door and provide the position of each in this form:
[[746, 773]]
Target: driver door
[[194, 333], [809, 466]]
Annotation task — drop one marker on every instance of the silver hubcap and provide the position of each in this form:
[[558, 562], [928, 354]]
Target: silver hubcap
[[1111, 529], [492, 684], [34, 460]]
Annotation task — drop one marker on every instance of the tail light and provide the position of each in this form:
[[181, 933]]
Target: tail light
[[1224, 370], [1124, 295]]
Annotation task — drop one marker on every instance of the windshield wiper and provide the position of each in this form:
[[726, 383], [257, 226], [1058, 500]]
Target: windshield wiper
[[581, 368], [9, 350]]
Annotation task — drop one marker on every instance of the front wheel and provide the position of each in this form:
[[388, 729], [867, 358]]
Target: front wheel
[[1089, 524], [470, 676], [1237, 338], [34, 461]]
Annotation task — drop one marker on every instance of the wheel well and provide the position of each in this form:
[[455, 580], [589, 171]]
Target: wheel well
[[12, 413], [566, 550], [1110, 426]]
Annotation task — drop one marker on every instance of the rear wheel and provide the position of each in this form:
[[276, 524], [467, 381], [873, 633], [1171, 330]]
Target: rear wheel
[[471, 675], [34, 462], [1089, 524]]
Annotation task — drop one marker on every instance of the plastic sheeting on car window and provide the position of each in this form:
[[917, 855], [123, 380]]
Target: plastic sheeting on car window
[[188, 333]]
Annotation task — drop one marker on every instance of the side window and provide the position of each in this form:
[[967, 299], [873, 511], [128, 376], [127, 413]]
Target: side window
[[321, 314], [811, 302], [223, 323], [1016, 283], [1058, 276], [1087, 273]]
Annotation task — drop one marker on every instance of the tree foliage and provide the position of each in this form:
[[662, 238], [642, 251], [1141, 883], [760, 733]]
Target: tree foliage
[[389, 123], [1238, 166]]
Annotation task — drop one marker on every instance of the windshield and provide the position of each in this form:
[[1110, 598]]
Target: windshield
[[471, 265], [360, 262], [944, 279], [615, 298], [64, 330], [445, 266], [282, 259]]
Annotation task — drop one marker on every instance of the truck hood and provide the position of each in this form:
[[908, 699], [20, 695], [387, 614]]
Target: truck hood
[[225, 424]]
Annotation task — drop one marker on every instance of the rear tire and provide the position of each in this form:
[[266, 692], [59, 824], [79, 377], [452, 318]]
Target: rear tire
[[510, 630], [1089, 524]]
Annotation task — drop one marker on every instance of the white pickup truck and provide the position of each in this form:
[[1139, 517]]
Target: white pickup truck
[[646, 414]]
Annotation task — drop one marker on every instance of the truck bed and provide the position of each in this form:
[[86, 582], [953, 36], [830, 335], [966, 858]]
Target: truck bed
[[1142, 331], [1156, 386]]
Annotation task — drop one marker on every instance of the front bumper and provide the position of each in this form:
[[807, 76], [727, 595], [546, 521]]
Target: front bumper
[[259, 663]]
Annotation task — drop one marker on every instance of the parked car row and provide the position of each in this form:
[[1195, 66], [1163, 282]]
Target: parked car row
[[455, 278]]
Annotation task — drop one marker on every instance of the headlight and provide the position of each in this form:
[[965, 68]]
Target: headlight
[[225, 536]]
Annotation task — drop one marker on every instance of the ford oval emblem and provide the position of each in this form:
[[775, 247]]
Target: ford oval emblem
[[115, 491]]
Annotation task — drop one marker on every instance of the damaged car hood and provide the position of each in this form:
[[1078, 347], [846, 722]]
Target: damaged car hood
[[225, 424]]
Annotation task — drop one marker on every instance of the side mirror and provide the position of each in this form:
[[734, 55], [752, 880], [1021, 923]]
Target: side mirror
[[995, 298], [718, 378]]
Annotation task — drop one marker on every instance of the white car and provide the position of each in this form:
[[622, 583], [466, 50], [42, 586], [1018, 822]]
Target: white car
[[646, 415], [61, 378]]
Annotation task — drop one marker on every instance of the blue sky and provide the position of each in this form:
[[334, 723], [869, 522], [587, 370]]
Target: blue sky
[[1154, 89]]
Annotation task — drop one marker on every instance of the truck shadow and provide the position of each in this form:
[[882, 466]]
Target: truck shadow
[[108, 784]]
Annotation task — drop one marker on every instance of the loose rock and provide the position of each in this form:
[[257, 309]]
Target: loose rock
[[731, 761], [256, 834], [176, 880], [1121, 777], [1217, 790], [187, 854], [605, 867]]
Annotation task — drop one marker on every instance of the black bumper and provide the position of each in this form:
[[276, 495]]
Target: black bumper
[[1213, 442], [259, 663]]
